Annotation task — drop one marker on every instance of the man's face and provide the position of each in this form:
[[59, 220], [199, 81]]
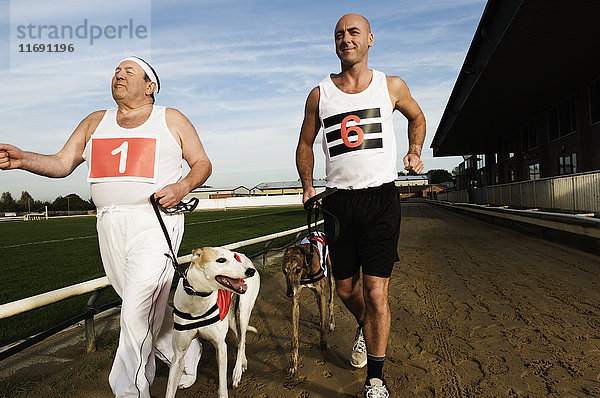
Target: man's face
[[128, 82], [352, 39]]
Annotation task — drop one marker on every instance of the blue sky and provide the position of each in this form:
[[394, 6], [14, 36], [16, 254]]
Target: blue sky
[[239, 70]]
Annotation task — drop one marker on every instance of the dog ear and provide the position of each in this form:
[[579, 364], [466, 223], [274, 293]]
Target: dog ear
[[305, 249], [196, 253], [243, 259]]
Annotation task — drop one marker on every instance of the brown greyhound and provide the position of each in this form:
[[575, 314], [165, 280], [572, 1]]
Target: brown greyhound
[[301, 271]]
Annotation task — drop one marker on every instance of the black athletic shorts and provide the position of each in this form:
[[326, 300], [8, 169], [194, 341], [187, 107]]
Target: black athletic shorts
[[369, 230]]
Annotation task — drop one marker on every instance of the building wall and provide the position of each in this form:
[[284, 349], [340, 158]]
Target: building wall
[[584, 142]]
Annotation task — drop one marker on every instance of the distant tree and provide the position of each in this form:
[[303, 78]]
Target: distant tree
[[26, 202], [7, 202], [437, 176], [71, 202]]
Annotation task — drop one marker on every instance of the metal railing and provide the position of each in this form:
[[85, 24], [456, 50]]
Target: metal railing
[[575, 193], [96, 286]]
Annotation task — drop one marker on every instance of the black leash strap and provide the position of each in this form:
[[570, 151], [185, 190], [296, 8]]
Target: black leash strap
[[181, 271], [171, 256], [313, 205]]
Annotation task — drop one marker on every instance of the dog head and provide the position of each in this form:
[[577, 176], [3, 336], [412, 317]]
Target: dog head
[[295, 266], [214, 268]]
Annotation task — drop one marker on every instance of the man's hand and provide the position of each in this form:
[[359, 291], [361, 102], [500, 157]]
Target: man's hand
[[171, 195], [309, 192], [11, 157], [412, 162]]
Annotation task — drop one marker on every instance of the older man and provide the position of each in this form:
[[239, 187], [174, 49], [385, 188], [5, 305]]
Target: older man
[[355, 108], [132, 152]]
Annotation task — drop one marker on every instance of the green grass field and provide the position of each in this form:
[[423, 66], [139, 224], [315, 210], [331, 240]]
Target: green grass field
[[40, 256]]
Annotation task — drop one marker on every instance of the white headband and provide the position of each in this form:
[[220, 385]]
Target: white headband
[[148, 69]]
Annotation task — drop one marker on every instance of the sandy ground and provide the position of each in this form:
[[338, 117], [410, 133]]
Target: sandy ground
[[478, 310]]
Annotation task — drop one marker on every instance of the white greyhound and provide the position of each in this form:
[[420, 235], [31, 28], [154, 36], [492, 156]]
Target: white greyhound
[[202, 309]]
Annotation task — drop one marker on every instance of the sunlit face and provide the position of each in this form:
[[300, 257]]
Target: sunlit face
[[353, 38], [128, 82]]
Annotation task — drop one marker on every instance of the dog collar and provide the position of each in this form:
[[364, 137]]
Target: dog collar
[[312, 278], [190, 290]]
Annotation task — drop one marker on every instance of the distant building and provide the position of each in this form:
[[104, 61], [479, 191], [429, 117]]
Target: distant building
[[412, 180], [218, 193], [526, 104], [285, 187]]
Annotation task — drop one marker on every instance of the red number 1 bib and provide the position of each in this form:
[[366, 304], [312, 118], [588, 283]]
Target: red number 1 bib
[[123, 159]]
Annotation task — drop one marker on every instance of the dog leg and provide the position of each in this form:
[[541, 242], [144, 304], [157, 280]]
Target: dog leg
[[295, 321], [241, 363], [245, 304], [319, 292], [331, 316], [181, 343], [221, 349]]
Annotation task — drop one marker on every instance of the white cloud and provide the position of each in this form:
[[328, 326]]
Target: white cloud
[[241, 73]]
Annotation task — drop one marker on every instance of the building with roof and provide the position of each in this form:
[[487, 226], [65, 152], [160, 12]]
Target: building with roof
[[218, 193], [526, 103], [285, 187]]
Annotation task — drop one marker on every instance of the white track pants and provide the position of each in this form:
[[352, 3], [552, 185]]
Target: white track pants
[[133, 247]]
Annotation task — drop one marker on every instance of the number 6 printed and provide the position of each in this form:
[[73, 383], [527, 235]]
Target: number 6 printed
[[346, 130]]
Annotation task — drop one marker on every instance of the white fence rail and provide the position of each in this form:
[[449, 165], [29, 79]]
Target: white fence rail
[[577, 193], [40, 300], [247, 201]]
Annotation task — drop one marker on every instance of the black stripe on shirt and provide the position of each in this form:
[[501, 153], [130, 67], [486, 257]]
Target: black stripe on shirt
[[362, 114], [366, 128], [375, 143]]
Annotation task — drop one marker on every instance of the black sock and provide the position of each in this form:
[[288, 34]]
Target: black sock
[[361, 323], [375, 367]]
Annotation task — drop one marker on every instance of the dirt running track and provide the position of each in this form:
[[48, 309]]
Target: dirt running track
[[478, 310]]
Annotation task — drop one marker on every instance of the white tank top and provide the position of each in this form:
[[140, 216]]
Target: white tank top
[[126, 166], [358, 135]]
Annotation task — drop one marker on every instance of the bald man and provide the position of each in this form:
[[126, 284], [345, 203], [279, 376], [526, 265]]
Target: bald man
[[132, 152], [354, 108]]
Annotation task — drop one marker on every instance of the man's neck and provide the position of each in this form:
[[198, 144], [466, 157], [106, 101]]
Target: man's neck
[[126, 108], [354, 79]]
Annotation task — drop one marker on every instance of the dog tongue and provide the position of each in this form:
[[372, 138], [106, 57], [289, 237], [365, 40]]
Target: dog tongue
[[239, 284]]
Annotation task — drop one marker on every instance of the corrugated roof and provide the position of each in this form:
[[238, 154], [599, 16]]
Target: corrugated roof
[[219, 189], [287, 185]]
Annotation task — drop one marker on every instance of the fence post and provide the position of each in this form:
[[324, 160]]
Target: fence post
[[266, 250], [90, 332]]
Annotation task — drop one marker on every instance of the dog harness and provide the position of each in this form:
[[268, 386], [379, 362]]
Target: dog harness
[[209, 317], [316, 240]]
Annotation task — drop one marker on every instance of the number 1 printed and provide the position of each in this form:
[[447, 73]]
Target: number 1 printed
[[123, 159]]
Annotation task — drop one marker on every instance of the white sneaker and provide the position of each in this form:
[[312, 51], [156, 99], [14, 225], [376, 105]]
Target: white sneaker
[[375, 388], [358, 358], [188, 377]]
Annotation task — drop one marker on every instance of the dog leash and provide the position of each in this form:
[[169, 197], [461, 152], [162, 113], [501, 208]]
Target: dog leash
[[189, 206], [312, 205]]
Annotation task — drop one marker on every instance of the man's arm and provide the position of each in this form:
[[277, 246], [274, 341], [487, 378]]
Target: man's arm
[[58, 165], [406, 104], [193, 153], [305, 157]]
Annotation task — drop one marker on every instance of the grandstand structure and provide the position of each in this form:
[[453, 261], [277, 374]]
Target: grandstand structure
[[526, 104]]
